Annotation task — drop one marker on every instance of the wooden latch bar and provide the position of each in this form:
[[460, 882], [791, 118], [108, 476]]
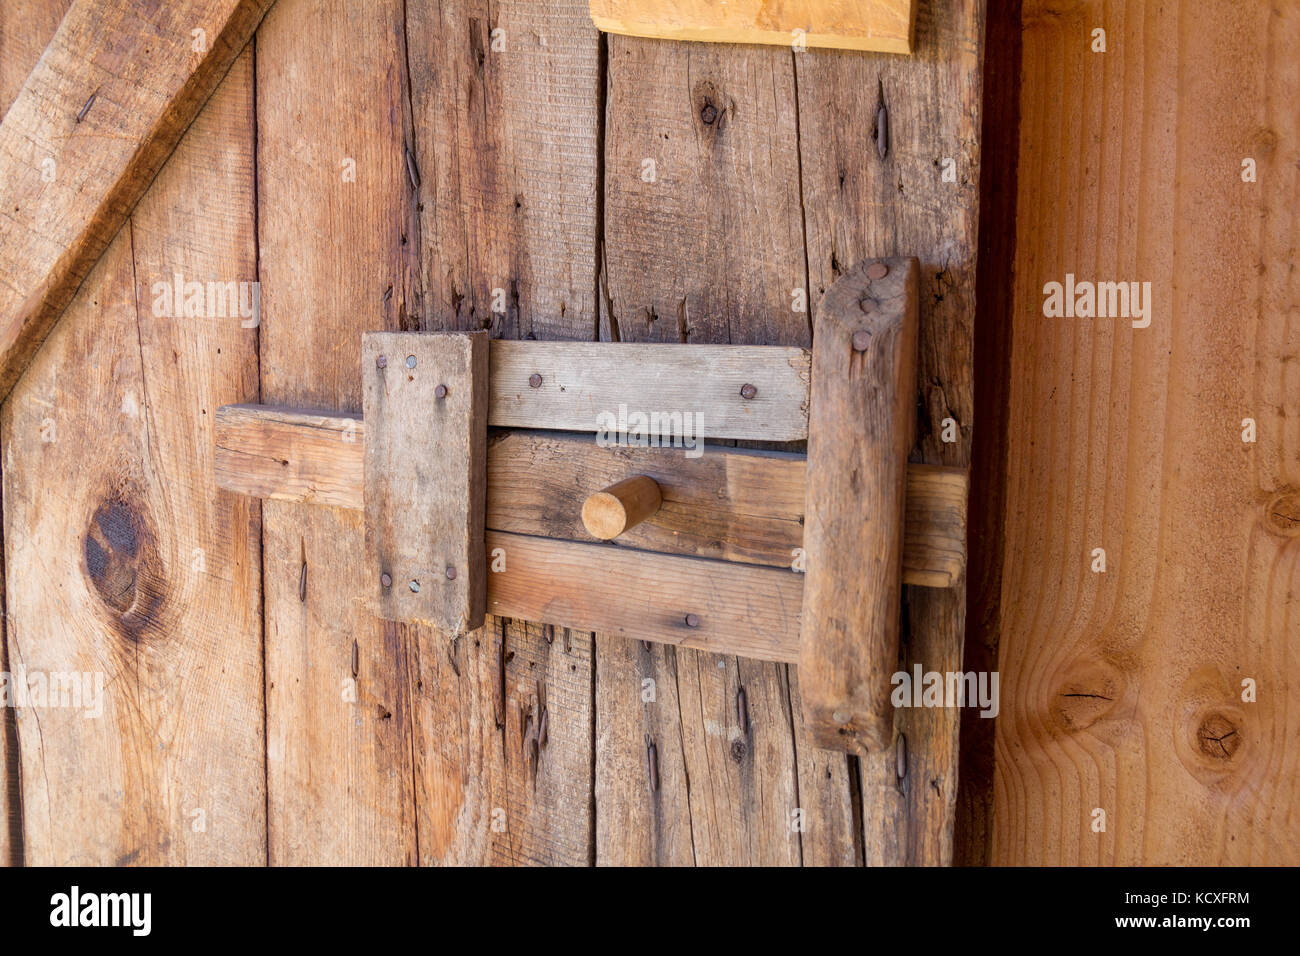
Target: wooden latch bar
[[645, 531]]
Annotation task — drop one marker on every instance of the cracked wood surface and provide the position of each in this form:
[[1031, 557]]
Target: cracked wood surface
[[124, 560]]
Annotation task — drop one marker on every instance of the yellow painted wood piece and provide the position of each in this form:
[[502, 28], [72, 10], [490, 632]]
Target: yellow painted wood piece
[[879, 25]]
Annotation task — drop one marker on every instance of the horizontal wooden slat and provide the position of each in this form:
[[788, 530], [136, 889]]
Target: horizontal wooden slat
[[291, 455], [580, 381], [884, 25], [692, 602], [734, 504]]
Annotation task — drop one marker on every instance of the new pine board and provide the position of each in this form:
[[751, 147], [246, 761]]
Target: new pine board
[[1122, 690], [845, 24]]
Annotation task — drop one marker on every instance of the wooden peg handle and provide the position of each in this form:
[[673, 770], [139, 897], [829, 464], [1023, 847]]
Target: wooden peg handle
[[610, 512]]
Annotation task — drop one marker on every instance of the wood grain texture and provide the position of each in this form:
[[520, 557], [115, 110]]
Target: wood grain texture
[[620, 506], [337, 258], [504, 131], [688, 602], [1123, 691], [862, 424], [94, 122], [124, 560], [873, 188], [731, 503], [425, 398], [844, 24], [702, 170], [289, 454], [26, 26], [579, 386]]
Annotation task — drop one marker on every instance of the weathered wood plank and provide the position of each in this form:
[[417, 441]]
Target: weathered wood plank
[[877, 134], [844, 24], [696, 390], [731, 503], [94, 122], [689, 602], [504, 131], [425, 398], [862, 425], [291, 454], [702, 171], [25, 29], [125, 562], [337, 254], [1124, 691]]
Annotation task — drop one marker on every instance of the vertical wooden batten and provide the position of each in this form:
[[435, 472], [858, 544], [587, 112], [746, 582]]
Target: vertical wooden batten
[[426, 408], [861, 427]]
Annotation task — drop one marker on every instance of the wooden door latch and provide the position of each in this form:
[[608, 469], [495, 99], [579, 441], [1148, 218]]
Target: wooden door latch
[[645, 531]]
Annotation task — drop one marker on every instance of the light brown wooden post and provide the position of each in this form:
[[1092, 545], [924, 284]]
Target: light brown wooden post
[[622, 505], [860, 429], [425, 399]]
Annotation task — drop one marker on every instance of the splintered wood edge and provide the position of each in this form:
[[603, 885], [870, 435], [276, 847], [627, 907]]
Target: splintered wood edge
[[317, 458]]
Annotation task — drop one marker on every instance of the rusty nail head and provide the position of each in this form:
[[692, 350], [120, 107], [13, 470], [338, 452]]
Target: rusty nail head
[[535, 381], [709, 114], [877, 270], [381, 362], [861, 340], [748, 391], [440, 391], [415, 586], [451, 574], [386, 579], [692, 620], [410, 361]]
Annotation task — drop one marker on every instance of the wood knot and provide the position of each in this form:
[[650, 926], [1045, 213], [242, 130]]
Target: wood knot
[[712, 106], [1084, 698], [1283, 514], [1218, 737], [123, 565]]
